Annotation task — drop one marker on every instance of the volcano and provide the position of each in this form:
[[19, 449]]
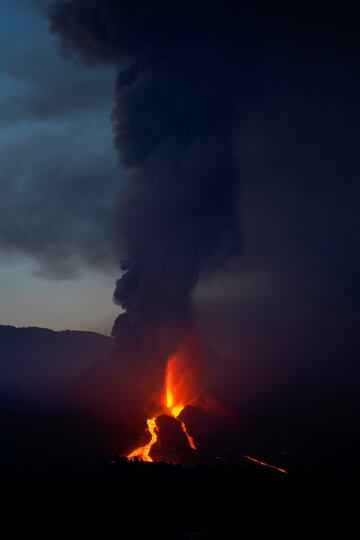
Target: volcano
[[179, 391], [190, 426]]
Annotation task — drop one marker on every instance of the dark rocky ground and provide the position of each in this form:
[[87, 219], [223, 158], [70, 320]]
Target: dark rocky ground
[[155, 500]]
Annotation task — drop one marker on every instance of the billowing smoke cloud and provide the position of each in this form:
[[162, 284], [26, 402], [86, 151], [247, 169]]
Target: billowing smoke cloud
[[185, 70], [175, 123]]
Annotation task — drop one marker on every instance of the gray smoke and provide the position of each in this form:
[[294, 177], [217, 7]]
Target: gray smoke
[[181, 70]]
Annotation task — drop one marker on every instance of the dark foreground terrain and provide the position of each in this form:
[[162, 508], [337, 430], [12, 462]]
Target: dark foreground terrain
[[113, 497], [58, 479]]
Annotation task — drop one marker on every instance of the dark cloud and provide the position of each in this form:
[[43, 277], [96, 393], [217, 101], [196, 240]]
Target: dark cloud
[[39, 86], [173, 122], [51, 208], [188, 74], [56, 151]]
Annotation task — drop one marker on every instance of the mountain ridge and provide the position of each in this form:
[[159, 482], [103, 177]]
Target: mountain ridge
[[36, 356]]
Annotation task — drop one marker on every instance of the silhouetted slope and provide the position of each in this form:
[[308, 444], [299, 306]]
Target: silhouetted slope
[[31, 357]]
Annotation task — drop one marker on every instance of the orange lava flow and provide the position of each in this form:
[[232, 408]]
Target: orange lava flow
[[143, 451], [188, 436], [178, 392], [266, 464]]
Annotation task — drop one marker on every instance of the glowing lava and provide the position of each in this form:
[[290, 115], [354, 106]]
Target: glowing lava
[[265, 464], [178, 393], [143, 451], [189, 437], [179, 384]]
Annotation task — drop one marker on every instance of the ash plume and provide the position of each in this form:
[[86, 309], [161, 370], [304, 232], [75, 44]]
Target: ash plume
[[180, 75]]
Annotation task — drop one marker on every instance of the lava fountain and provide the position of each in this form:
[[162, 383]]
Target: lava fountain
[[180, 391]]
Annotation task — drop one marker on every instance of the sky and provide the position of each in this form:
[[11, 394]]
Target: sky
[[56, 260], [294, 291]]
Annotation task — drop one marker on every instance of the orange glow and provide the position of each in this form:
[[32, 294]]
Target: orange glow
[[189, 437], [179, 389], [265, 464], [179, 384], [143, 451], [175, 410], [179, 392]]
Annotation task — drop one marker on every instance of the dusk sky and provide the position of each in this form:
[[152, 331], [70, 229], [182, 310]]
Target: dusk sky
[[298, 150], [57, 268]]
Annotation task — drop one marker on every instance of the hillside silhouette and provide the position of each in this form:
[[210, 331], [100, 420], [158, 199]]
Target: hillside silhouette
[[38, 357]]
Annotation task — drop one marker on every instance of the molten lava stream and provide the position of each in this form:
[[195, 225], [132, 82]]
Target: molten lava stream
[[189, 437], [264, 464], [143, 451]]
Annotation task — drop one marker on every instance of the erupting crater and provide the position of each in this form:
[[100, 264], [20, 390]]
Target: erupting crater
[[168, 436], [179, 391]]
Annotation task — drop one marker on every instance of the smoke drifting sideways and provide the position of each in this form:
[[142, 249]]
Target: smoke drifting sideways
[[181, 71]]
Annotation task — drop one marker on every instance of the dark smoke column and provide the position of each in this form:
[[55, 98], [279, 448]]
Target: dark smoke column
[[174, 121]]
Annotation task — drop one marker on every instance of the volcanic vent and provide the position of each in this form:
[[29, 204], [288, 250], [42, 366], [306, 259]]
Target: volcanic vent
[[179, 391]]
